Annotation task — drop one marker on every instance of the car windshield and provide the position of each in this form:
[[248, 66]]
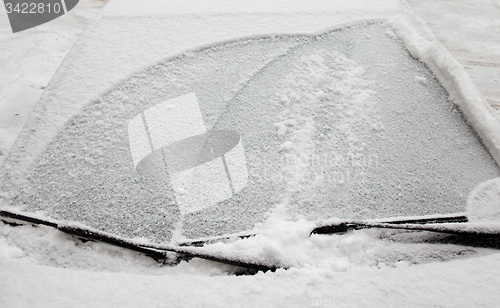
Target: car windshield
[[343, 124]]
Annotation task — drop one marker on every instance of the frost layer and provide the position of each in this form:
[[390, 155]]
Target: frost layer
[[345, 124]]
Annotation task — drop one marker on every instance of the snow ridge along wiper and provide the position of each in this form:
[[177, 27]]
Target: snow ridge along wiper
[[450, 224], [156, 251]]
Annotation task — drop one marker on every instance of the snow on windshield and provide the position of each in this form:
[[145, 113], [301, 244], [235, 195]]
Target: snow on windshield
[[345, 124]]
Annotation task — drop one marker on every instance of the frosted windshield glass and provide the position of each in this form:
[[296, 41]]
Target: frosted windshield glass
[[345, 124]]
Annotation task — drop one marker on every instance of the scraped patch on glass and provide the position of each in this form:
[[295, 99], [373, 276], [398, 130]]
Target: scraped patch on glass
[[345, 124]]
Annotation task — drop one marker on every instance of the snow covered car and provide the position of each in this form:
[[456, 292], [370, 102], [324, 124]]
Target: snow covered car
[[248, 131]]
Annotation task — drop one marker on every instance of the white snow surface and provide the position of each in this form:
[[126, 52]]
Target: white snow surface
[[423, 45], [41, 267], [470, 30], [29, 60]]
